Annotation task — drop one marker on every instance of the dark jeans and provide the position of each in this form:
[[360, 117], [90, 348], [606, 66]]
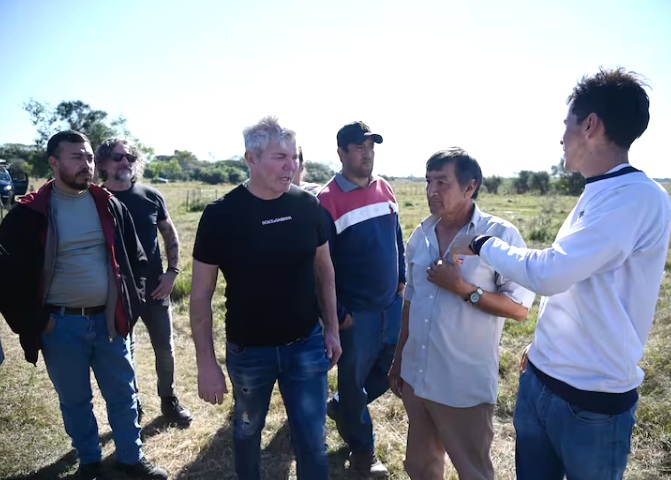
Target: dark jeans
[[556, 438], [157, 319], [300, 368], [368, 348]]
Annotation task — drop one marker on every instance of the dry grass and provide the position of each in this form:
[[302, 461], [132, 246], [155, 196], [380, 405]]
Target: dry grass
[[33, 443]]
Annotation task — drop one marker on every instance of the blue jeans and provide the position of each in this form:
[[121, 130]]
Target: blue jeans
[[301, 368], [76, 345], [556, 438], [368, 348], [157, 319]]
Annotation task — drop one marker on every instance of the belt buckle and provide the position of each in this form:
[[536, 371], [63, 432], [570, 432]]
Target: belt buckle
[[83, 311]]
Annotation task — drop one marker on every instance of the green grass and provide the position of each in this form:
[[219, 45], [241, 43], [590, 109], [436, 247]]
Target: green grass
[[33, 443]]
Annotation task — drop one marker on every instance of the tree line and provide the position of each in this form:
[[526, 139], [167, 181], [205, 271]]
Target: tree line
[[184, 165], [559, 180]]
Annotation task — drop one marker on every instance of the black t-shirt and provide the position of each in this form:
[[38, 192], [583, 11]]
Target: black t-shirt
[[266, 251], [147, 207]]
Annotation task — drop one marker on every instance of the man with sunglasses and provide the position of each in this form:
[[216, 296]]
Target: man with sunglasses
[[118, 164], [76, 289], [447, 360]]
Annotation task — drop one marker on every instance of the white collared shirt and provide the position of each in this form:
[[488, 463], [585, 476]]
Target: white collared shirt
[[452, 352]]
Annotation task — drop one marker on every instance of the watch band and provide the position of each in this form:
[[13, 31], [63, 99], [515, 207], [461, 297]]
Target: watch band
[[174, 270], [476, 244]]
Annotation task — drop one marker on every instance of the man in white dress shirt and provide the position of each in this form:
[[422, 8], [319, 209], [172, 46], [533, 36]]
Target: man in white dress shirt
[[447, 359]]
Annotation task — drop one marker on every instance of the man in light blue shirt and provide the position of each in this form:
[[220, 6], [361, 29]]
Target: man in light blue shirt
[[447, 359]]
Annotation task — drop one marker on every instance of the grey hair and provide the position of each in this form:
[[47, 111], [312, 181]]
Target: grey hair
[[104, 153], [268, 129]]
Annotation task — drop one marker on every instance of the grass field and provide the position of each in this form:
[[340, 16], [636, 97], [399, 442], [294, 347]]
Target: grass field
[[33, 443]]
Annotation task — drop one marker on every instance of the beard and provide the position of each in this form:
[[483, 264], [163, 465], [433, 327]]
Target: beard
[[124, 175], [364, 170], [80, 181]]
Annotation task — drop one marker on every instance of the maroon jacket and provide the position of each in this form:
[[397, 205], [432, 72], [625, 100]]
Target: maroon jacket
[[28, 252]]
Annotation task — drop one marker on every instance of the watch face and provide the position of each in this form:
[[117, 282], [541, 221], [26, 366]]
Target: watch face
[[474, 298]]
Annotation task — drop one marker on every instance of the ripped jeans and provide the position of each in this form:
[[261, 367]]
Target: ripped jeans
[[300, 368]]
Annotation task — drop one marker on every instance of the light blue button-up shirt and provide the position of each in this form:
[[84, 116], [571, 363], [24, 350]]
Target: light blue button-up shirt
[[452, 352]]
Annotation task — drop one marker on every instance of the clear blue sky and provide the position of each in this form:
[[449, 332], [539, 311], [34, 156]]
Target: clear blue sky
[[487, 75]]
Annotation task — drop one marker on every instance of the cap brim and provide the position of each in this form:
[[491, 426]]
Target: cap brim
[[376, 137]]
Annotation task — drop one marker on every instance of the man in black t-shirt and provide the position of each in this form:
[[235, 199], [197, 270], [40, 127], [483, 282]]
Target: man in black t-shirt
[[118, 164], [267, 239]]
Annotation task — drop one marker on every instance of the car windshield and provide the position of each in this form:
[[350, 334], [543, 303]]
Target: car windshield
[[5, 176]]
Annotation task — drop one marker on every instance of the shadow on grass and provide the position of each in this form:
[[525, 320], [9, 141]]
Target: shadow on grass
[[216, 459], [66, 466], [60, 467]]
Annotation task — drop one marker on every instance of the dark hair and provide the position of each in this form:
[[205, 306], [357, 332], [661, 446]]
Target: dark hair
[[300, 155], [466, 168], [71, 136], [104, 153], [618, 98]]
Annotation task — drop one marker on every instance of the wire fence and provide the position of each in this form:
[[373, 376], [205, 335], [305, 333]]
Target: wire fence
[[197, 198]]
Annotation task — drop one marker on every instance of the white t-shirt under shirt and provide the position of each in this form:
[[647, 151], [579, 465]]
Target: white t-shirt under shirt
[[601, 280]]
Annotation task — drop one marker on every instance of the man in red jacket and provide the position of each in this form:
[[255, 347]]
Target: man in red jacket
[[75, 292]]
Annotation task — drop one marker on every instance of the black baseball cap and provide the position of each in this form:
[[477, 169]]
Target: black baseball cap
[[356, 133]]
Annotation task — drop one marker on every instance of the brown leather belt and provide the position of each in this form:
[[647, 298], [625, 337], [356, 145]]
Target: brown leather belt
[[83, 311]]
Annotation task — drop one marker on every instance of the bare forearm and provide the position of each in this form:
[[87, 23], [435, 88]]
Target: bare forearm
[[493, 303], [327, 298], [170, 243], [502, 306], [405, 328], [200, 313]]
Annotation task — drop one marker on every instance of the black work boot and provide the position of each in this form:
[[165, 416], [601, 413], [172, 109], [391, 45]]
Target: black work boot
[[143, 470], [174, 412], [90, 471]]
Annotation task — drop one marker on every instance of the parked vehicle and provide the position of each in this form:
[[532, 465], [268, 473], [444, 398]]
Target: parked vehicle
[[12, 185], [20, 181], [6, 187]]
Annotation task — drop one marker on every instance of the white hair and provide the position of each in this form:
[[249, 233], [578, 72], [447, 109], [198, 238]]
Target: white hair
[[266, 130]]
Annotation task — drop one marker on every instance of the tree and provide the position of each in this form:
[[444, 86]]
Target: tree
[[317, 172], [540, 182], [566, 182], [29, 158], [492, 183], [77, 115], [521, 182]]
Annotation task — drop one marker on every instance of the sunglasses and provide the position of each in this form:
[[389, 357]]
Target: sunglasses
[[117, 157]]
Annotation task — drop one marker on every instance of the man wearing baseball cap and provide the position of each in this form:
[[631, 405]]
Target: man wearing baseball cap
[[366, 242]]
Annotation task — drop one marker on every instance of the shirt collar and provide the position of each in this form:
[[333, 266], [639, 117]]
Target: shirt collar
[[618, 167], [432, 220], [347, 186]]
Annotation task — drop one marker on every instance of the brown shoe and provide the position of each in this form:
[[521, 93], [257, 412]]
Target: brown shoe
[[368, 465]]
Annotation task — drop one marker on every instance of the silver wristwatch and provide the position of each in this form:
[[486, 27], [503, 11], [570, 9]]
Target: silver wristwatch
[[474, 297]]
